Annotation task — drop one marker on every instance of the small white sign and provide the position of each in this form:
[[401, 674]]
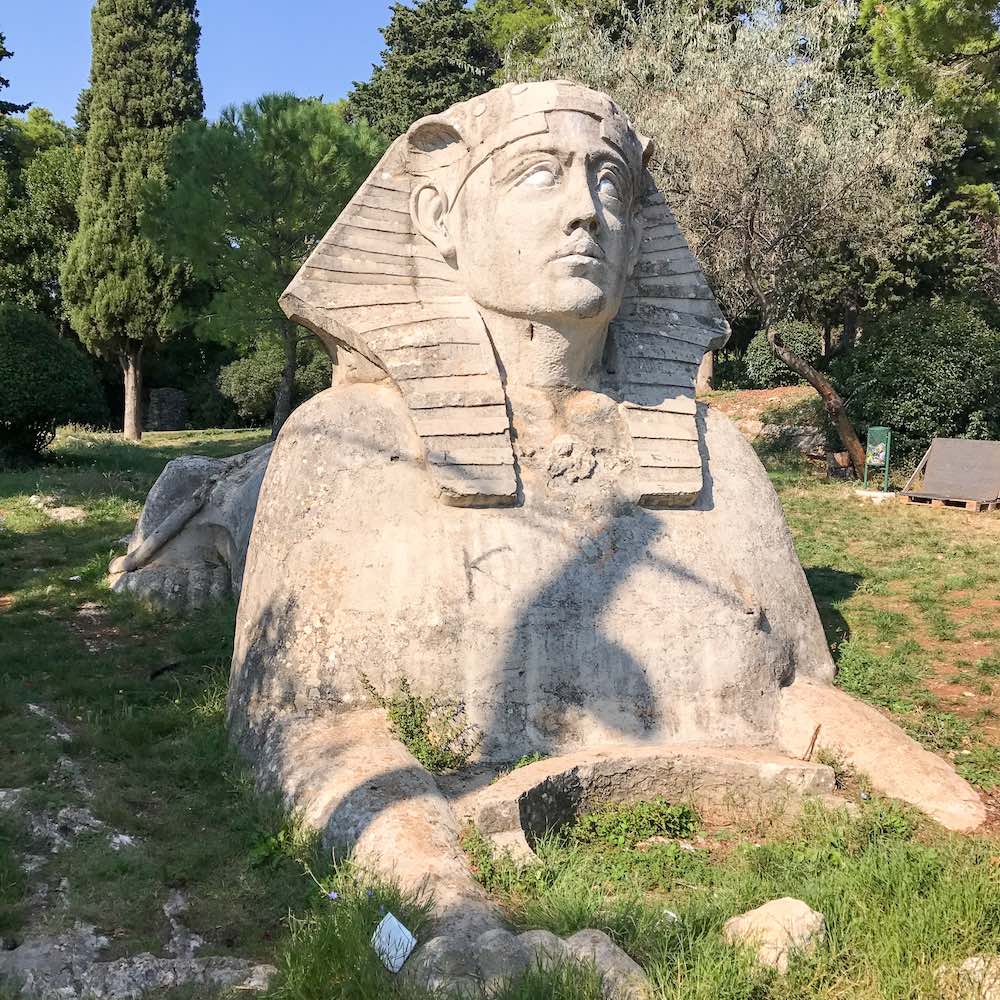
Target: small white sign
[[393, 943]]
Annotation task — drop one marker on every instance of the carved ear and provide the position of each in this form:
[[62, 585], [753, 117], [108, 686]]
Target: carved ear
[[433, 146], [429, 211]]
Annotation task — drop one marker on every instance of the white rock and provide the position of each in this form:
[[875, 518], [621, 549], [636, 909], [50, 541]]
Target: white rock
[[776, 929], [977, 978]]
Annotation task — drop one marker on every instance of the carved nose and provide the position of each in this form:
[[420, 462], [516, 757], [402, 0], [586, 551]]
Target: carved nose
[[583, 220], [582, 212]]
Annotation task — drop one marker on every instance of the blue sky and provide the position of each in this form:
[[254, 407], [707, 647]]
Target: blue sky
[[248, 47]]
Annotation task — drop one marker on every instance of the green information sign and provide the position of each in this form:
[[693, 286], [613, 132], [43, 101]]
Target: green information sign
[[877, 454]]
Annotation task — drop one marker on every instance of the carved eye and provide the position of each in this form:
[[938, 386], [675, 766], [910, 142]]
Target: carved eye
[[543, 175], [608, 189]]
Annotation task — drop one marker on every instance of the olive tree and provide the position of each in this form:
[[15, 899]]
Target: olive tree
[[769, 154]]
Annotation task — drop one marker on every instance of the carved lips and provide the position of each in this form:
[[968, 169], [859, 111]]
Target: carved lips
[[581, 254]]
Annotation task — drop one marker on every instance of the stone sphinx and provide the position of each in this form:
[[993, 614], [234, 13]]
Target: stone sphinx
[[510, 498]]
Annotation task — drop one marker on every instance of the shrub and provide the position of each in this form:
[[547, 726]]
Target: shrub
[[251, 383], [44, 381], [931, 370], [765, 370], [730, 372], [625, 825], [434, 730]]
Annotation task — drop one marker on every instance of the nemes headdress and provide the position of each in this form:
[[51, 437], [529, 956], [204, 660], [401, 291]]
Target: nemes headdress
[[376, 287]]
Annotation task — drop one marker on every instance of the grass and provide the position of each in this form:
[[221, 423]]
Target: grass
[[900, 900], [910, 600], [151, 755]]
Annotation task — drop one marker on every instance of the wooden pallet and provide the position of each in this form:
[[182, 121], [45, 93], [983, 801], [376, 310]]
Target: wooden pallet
[[976, 506], [954, 468]]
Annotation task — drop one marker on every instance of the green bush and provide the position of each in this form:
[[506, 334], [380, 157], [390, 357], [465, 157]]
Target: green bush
[[44, 382], [730, 372], [765, 371], [251, 383], [927, 371], [625, 825], [434, 730]]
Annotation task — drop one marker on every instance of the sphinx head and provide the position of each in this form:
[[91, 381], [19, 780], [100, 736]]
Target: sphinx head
[[493, 252], [531, 194]]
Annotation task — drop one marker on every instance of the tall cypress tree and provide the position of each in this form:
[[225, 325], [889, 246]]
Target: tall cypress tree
[[119, 291], [436, 54]]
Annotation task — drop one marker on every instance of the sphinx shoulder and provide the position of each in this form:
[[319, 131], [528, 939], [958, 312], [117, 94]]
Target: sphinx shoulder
[[350, 426]]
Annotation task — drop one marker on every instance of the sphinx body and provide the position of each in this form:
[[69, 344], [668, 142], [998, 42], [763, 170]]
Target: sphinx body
[[576, 618], [511, 500]]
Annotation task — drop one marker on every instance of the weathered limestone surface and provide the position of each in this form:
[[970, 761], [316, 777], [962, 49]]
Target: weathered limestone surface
[[189, 547], [574, 619], [68, 967], [977, 978], [622, 978], [347, 777], [896, 765], [497, 957], [723, 784]]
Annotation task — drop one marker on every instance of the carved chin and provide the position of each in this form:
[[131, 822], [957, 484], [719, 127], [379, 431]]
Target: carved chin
[[586, 300]]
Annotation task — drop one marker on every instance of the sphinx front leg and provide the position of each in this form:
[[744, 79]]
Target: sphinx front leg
[[351, 779], [896, 765]]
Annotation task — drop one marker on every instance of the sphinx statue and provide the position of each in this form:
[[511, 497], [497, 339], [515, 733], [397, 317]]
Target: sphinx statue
[[510, 498]]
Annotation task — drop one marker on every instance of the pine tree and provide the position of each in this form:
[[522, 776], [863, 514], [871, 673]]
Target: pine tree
[[119, 291], [38, 196], [948, 52], [6, 108], [249, 197], [11, 145], [436, 54]]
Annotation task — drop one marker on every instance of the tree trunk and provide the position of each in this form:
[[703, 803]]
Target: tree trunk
[[286, 388], [831, 400], [131, 362], [706, 373], [826, 343]]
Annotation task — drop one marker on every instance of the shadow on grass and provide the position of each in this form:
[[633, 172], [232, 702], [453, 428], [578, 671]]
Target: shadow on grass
[[830, 588]]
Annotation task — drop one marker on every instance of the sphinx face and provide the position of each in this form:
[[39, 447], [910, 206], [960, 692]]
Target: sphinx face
[[546, 229]]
